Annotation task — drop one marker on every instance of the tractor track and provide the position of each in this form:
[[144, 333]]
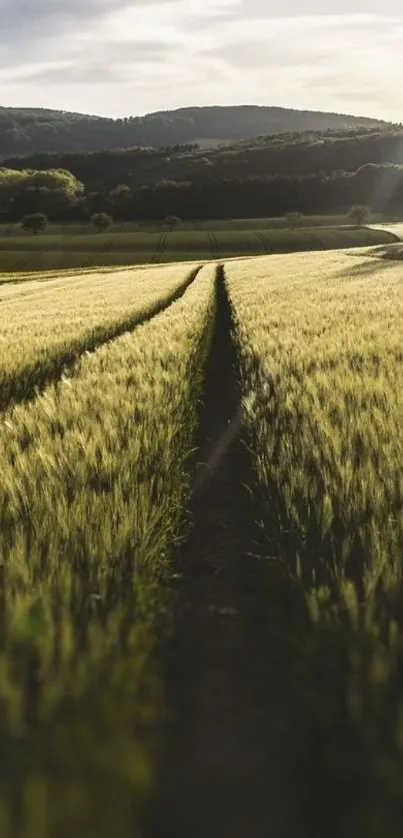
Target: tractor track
[[263, 241], [213, 245], [228, 768], [160, 249]]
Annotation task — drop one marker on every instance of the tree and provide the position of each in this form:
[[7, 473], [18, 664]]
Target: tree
[[359, 214], [120, 196], [101, 221], [293, 219], [36, 223], [171, 222], [28, 192], [119, 199]]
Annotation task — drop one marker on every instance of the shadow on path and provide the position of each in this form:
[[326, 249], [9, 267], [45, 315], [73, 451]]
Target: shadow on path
[[229, 767]]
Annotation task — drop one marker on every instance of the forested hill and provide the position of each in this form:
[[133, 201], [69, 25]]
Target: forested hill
[[26, 131], [311, 172], [296, 155]]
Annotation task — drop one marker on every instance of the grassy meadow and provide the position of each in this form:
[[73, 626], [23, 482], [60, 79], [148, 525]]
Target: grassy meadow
[[102, 378]]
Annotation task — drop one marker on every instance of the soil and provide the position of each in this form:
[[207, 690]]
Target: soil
[[229, 767]]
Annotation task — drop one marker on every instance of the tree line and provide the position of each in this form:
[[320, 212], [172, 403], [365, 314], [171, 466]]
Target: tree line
[[62, 197], [297, 155]]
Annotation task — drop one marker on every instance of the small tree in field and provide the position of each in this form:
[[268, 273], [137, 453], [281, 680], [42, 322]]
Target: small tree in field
[[172, 221], [293, 219], [359, 214], [35, 223], [101, 221]]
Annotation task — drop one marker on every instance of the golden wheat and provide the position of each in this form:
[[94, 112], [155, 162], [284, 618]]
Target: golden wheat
[[321, 344], [92, 492], [46, 325]]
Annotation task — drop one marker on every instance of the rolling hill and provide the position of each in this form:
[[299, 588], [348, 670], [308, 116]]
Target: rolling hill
[[25, 131]]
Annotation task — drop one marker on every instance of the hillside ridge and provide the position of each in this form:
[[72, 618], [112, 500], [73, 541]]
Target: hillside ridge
[[33, 130]]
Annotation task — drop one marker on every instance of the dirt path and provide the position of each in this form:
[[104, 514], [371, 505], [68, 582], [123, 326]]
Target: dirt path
[[229, 770]]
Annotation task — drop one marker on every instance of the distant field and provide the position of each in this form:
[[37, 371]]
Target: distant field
[[272, 223], [74, 250]]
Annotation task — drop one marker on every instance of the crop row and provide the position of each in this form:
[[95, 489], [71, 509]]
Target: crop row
[[46, 326], [93, 486], [321, 357]]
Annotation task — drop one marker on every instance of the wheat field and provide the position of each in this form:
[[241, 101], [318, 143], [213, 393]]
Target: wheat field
[[105, 381], [93, 484]]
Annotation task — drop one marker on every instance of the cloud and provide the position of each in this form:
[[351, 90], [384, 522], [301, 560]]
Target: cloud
[[271, 9], [124, 59], [121, 57]]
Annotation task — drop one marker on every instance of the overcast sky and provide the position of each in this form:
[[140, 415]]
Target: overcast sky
[[122, 57]]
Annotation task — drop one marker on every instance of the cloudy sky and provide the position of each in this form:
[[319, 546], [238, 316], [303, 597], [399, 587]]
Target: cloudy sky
[[121, 57]]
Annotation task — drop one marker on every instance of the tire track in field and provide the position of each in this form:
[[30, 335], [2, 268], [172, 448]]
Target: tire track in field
[[160, 249], [368, 237], [95, 260], [340, 240], [314, 239], [213, 245], [228, 767], [264, 242], [31, 381], [216, 245]]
